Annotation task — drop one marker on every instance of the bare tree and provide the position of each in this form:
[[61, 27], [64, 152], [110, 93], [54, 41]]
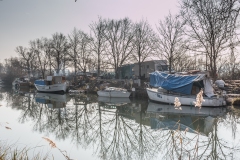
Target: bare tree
[[171, 43], [47, 49], [84, 51], [184, 62], [27, 56], [145, 42], [212, 24], [120, 36], [79, 49], [92, 63], [99, 43], [229, 68], [38, 47], [1, 68], [233, 56], [12, 68], [59, 45], [74, 43]]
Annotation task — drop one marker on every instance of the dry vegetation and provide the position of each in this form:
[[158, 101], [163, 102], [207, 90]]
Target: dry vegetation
[[11, 152]]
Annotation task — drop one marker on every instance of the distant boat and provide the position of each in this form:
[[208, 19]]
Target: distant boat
[[21, 82], [52, 84], [113, 92], [166, 87]]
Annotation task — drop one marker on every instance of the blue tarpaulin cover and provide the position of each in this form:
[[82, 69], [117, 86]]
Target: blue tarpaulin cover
[[176, 83], [40, 82]]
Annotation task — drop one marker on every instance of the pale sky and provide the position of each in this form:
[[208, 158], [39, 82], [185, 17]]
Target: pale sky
[[25, 20]]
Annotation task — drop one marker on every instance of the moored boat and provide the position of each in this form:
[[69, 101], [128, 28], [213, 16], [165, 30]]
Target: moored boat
[[52, 84], [166, 87], [113, 92], [21, 82]]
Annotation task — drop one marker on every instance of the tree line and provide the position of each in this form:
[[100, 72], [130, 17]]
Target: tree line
[[203, 35]]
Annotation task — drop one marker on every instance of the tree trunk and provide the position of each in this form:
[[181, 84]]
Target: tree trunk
[[140, 69], [170, 65], [28, 68], [75, 70], [98, 70]]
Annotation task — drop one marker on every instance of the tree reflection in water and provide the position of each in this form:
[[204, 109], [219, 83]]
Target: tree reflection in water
[[130, 130]]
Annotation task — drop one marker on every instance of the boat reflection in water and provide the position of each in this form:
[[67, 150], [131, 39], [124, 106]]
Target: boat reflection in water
[[22, 91], [136, 129], [52, 100], [114, 101], [164, 116]]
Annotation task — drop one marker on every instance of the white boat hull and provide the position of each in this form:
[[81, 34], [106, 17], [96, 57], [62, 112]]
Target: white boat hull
[[113, 94], [188, 100], [52, 88]]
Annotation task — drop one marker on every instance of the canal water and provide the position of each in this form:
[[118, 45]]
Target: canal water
[[85, 126]]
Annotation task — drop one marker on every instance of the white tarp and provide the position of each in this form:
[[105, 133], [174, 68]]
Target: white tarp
[[208, 89], [220, 83]]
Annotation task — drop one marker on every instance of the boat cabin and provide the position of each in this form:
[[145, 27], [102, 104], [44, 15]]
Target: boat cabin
[[51, 80]]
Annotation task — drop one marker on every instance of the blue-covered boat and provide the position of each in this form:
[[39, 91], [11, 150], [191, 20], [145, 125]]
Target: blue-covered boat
[[166, 87], [52, 84]]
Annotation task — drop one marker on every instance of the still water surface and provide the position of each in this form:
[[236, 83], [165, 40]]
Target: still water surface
[[91, 127]]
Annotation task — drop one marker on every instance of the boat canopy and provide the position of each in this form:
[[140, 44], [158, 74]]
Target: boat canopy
[[181, 83], [40, 82]]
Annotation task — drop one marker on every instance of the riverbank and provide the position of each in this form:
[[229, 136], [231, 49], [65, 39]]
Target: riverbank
[[95, 85], [231, 89], [92, 85]]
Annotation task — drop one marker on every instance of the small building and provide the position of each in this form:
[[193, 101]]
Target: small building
[[132, 70], [61, 72], [126, 71]]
